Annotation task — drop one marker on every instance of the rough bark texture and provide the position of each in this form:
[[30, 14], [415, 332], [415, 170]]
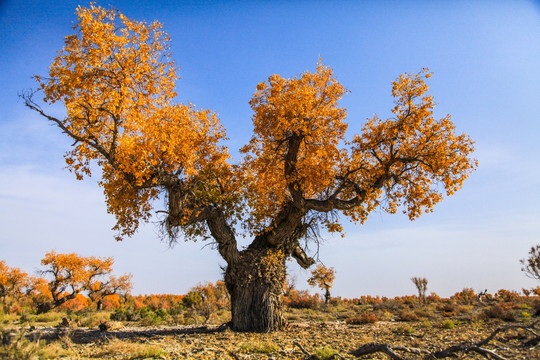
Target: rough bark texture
[[255, 283]]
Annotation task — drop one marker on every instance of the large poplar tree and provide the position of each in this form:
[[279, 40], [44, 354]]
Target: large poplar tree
[[299, 172]]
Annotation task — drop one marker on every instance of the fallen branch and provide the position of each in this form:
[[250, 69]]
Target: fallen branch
[[451, 351], [372, 348], [529, 328], [301, 348]]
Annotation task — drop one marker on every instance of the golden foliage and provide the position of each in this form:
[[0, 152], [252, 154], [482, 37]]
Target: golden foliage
[[306, 108], [117, 80], [322, 277], [409, 155], [13, 284], [399, 161], [72, 274]]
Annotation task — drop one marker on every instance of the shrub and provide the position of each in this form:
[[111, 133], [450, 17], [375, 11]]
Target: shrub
[[384, 315], [404, 330], [301, 299], [407, 315], [499, 312], [433, 297], [465, 296], [92, 320], [392, 305], [192, 299], [448, 309], [525, 315], [427, 324], [363, 318], [448, 324], [423, 313], [368, 299], [506, 295], [123, 314], [325, 353], [162, 314], [148, 316]]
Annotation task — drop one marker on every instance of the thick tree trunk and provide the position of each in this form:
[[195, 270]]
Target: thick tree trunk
[[255, 283], [48, 306], [43, 308]]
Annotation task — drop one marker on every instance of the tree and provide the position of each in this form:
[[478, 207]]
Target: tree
[[421, 286], [99, 290], [39, 292], [531, 265], [13, 285], [72, 274], [323, 278], [116, 79]]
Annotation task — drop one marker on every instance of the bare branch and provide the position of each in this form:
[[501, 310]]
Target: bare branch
[[29, 102], [451, 351]]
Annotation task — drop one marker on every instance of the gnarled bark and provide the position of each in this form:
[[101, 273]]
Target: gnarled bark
[[255, 283]]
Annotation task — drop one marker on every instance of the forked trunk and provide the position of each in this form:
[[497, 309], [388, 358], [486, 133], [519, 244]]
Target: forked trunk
[[255, 284]]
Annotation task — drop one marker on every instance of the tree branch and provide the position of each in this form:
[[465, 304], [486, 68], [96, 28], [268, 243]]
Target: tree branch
[[29, 102]]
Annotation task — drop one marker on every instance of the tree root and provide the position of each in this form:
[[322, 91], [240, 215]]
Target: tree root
[[451, 351]]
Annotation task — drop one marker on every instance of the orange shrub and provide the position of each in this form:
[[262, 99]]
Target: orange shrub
[[301, 299], [433, 297], [465, 296], [506, 295], [363, 318], [370, 300]]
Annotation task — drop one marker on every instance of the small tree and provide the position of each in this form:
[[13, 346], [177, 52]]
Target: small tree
[[13, 283], [98, 290], [323, 278], [421, 286], [72, 274], [531, 265]]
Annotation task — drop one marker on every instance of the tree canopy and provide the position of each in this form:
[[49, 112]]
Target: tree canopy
[[116, 78], [71, 274]]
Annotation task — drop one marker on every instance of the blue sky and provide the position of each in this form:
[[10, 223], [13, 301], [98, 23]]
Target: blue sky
[[484, 55]]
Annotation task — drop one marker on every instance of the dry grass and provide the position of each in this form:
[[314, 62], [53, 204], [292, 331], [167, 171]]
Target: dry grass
[[323, 332]]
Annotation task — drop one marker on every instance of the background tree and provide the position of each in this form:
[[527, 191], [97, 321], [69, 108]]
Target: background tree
[[323, 278], [69, 276], [531, 265], [13, 285], [421, 286], [116, 79], [72, 274], [99, 290], [39, 292]]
